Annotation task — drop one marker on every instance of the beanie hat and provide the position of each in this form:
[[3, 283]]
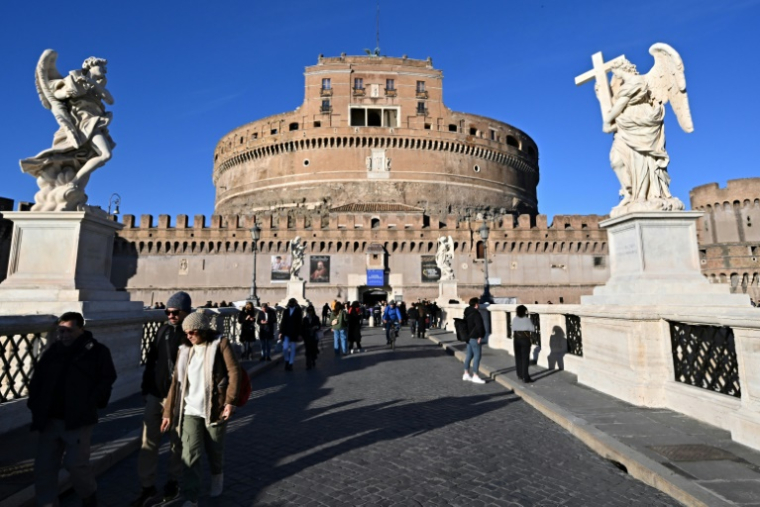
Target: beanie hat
[[197, 321], [180, 301]]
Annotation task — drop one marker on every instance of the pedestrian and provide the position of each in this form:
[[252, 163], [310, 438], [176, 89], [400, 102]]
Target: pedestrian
[[247, 320], [423, 319], [291, 332], [325, 314], [311, 336], [414, 314], [522, 329], [201, 399], [435, 311], [71, 381], [339, 325], [391, 321], [476, 331], [355, 328], [156, 381], [267, 319]]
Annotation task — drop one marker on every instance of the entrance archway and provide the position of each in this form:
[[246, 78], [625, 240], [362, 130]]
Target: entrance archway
[[372, 296]]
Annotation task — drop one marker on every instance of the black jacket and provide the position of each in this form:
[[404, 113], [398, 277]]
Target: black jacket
[[160, 360], [291, 325], [475, 325], [266, 331], [71, 383]]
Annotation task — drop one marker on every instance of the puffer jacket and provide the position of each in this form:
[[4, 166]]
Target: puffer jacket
[[221, 372]]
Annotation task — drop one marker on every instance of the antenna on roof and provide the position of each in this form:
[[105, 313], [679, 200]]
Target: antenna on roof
[[376, 52]]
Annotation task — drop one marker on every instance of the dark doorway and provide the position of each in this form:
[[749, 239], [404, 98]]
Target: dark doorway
[[372, 296]]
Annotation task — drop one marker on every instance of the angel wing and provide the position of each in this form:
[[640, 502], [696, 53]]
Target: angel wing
[[667, 83], [44, 74]]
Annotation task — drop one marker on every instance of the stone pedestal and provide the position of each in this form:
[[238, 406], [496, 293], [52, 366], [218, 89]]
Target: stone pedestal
[[296, 289], [447, 290], [654, 260]]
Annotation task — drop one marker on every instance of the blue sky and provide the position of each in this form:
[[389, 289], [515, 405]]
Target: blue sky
[[185, 73]]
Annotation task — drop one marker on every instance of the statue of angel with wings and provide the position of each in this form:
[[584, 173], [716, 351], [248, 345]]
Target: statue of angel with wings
[[297, 248], [82, 142], [636, 116], [444, 257]]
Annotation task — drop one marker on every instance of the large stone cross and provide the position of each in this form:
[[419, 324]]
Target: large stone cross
[[599, 72]]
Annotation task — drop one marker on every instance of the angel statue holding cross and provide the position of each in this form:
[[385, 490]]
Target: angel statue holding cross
[[82, 142], [633, 110]]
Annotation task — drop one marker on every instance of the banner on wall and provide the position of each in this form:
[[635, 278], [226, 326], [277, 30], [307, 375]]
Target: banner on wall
[[375, 278], [281, 267], [319, 268], [430, 270]]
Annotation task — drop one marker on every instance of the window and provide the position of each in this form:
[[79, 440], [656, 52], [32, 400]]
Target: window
[[358, 83], [511, 141], [358, 117], [473, 131], [255, 135], [599, 262], [427, 126], [317, 124], [421, 108], [453, 127], [493, 135], [390, 84], [326, 83], [480, 250], [293, 126], [420, 86], [373, 117], [326, 106], [273, 131]]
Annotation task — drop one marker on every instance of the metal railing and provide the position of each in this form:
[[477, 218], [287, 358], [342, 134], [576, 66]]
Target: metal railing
[[23, 339], [705, 356], [391, 92], [574, 335], [325, 92], [422, 94], [535, 338]]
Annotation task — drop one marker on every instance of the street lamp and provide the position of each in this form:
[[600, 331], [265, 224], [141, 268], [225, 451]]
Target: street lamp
[[486, 296], [255, 235], [114, 200]]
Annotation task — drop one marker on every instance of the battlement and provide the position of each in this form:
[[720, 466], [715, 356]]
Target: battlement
[[743, 192]]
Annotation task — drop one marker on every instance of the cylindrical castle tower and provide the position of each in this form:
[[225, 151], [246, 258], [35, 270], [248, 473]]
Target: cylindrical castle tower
[[374, 129]]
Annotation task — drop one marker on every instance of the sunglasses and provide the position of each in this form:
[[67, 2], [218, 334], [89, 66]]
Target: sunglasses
[[172, 312]]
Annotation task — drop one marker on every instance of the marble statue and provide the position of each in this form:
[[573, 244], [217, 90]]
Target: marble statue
[[82, 143], [633, 110], [444, 257], [297, 248]]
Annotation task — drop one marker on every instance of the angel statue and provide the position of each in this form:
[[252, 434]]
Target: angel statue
[[444, 257], [82, 142], [633, 110], [296, 250]]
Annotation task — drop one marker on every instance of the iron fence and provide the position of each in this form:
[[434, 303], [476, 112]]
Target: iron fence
[[705, 356], [23, 339], [535, 338], [574, 335]]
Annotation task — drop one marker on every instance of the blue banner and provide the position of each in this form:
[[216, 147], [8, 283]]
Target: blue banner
[[375, 278]]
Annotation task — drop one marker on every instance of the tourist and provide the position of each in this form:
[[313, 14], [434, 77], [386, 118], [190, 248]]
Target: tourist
[[157, 378], [339, 325], [325, 314], [434, 313], [423, 319], [267, 319], [355, 328], [413, 315], [476, 331], [247, 320], [206, 369], [71, 381], [522, 329], [392, 321], [291, 332], [311, 337]]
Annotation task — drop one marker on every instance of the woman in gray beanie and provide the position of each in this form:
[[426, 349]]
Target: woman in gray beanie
[[204, 389]]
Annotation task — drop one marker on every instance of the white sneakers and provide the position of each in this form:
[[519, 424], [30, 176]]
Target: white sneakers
[[466, 377], [217, 484], [477, 380]]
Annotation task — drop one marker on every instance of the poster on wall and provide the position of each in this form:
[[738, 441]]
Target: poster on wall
[[430, 270], [319, 268], [375, 278], [281, 268]]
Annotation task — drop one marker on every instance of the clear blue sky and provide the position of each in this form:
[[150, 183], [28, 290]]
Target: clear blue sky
[[185, 73]]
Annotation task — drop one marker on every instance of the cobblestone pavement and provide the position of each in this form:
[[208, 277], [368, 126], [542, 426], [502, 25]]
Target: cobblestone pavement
[[397, 428]]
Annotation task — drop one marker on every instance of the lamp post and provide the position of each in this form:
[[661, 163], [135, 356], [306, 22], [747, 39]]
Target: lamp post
[[255, 235], [114, 200], [486, 296]]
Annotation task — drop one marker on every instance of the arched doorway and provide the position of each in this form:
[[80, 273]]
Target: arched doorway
[[374, 295]]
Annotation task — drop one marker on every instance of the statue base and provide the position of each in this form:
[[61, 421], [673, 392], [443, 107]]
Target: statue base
[[446, 290], [61, 261], [296, 289], [654, 260]]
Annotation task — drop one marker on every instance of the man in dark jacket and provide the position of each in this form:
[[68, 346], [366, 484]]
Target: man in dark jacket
[[157, 378], [71, 381], [476, 329], [267, 319], [291, 332], [414, 314]]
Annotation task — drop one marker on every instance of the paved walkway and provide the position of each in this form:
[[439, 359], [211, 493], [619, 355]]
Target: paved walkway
[[398, 428]]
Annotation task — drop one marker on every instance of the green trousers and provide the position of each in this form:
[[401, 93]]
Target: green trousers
[[196, 437]]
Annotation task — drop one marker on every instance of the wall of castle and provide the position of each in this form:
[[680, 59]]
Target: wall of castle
[[527, 259], [729, 233]]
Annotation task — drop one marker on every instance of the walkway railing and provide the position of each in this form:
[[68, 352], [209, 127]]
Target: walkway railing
[[22, 339]]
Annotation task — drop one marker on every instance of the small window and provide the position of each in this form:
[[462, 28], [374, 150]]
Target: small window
[[326, 106], [598, 261], [241, 142], [453, 127], [427, 126], [317, 124], [358, 117], [306, 162], [273, 131], [390, 84], [476, 168], [421, 107], [255, 135], [473, 131], [493, 135], [511, 141], [326, 83], [481, 250], [293, 126], [358, 83], [375, 224], [420, 86]]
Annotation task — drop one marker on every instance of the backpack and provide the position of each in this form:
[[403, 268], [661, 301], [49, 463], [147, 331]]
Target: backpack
[[463, 333], [244, 387]]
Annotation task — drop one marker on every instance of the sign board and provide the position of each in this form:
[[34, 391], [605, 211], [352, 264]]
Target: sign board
[[375, 278], [430, 270]]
